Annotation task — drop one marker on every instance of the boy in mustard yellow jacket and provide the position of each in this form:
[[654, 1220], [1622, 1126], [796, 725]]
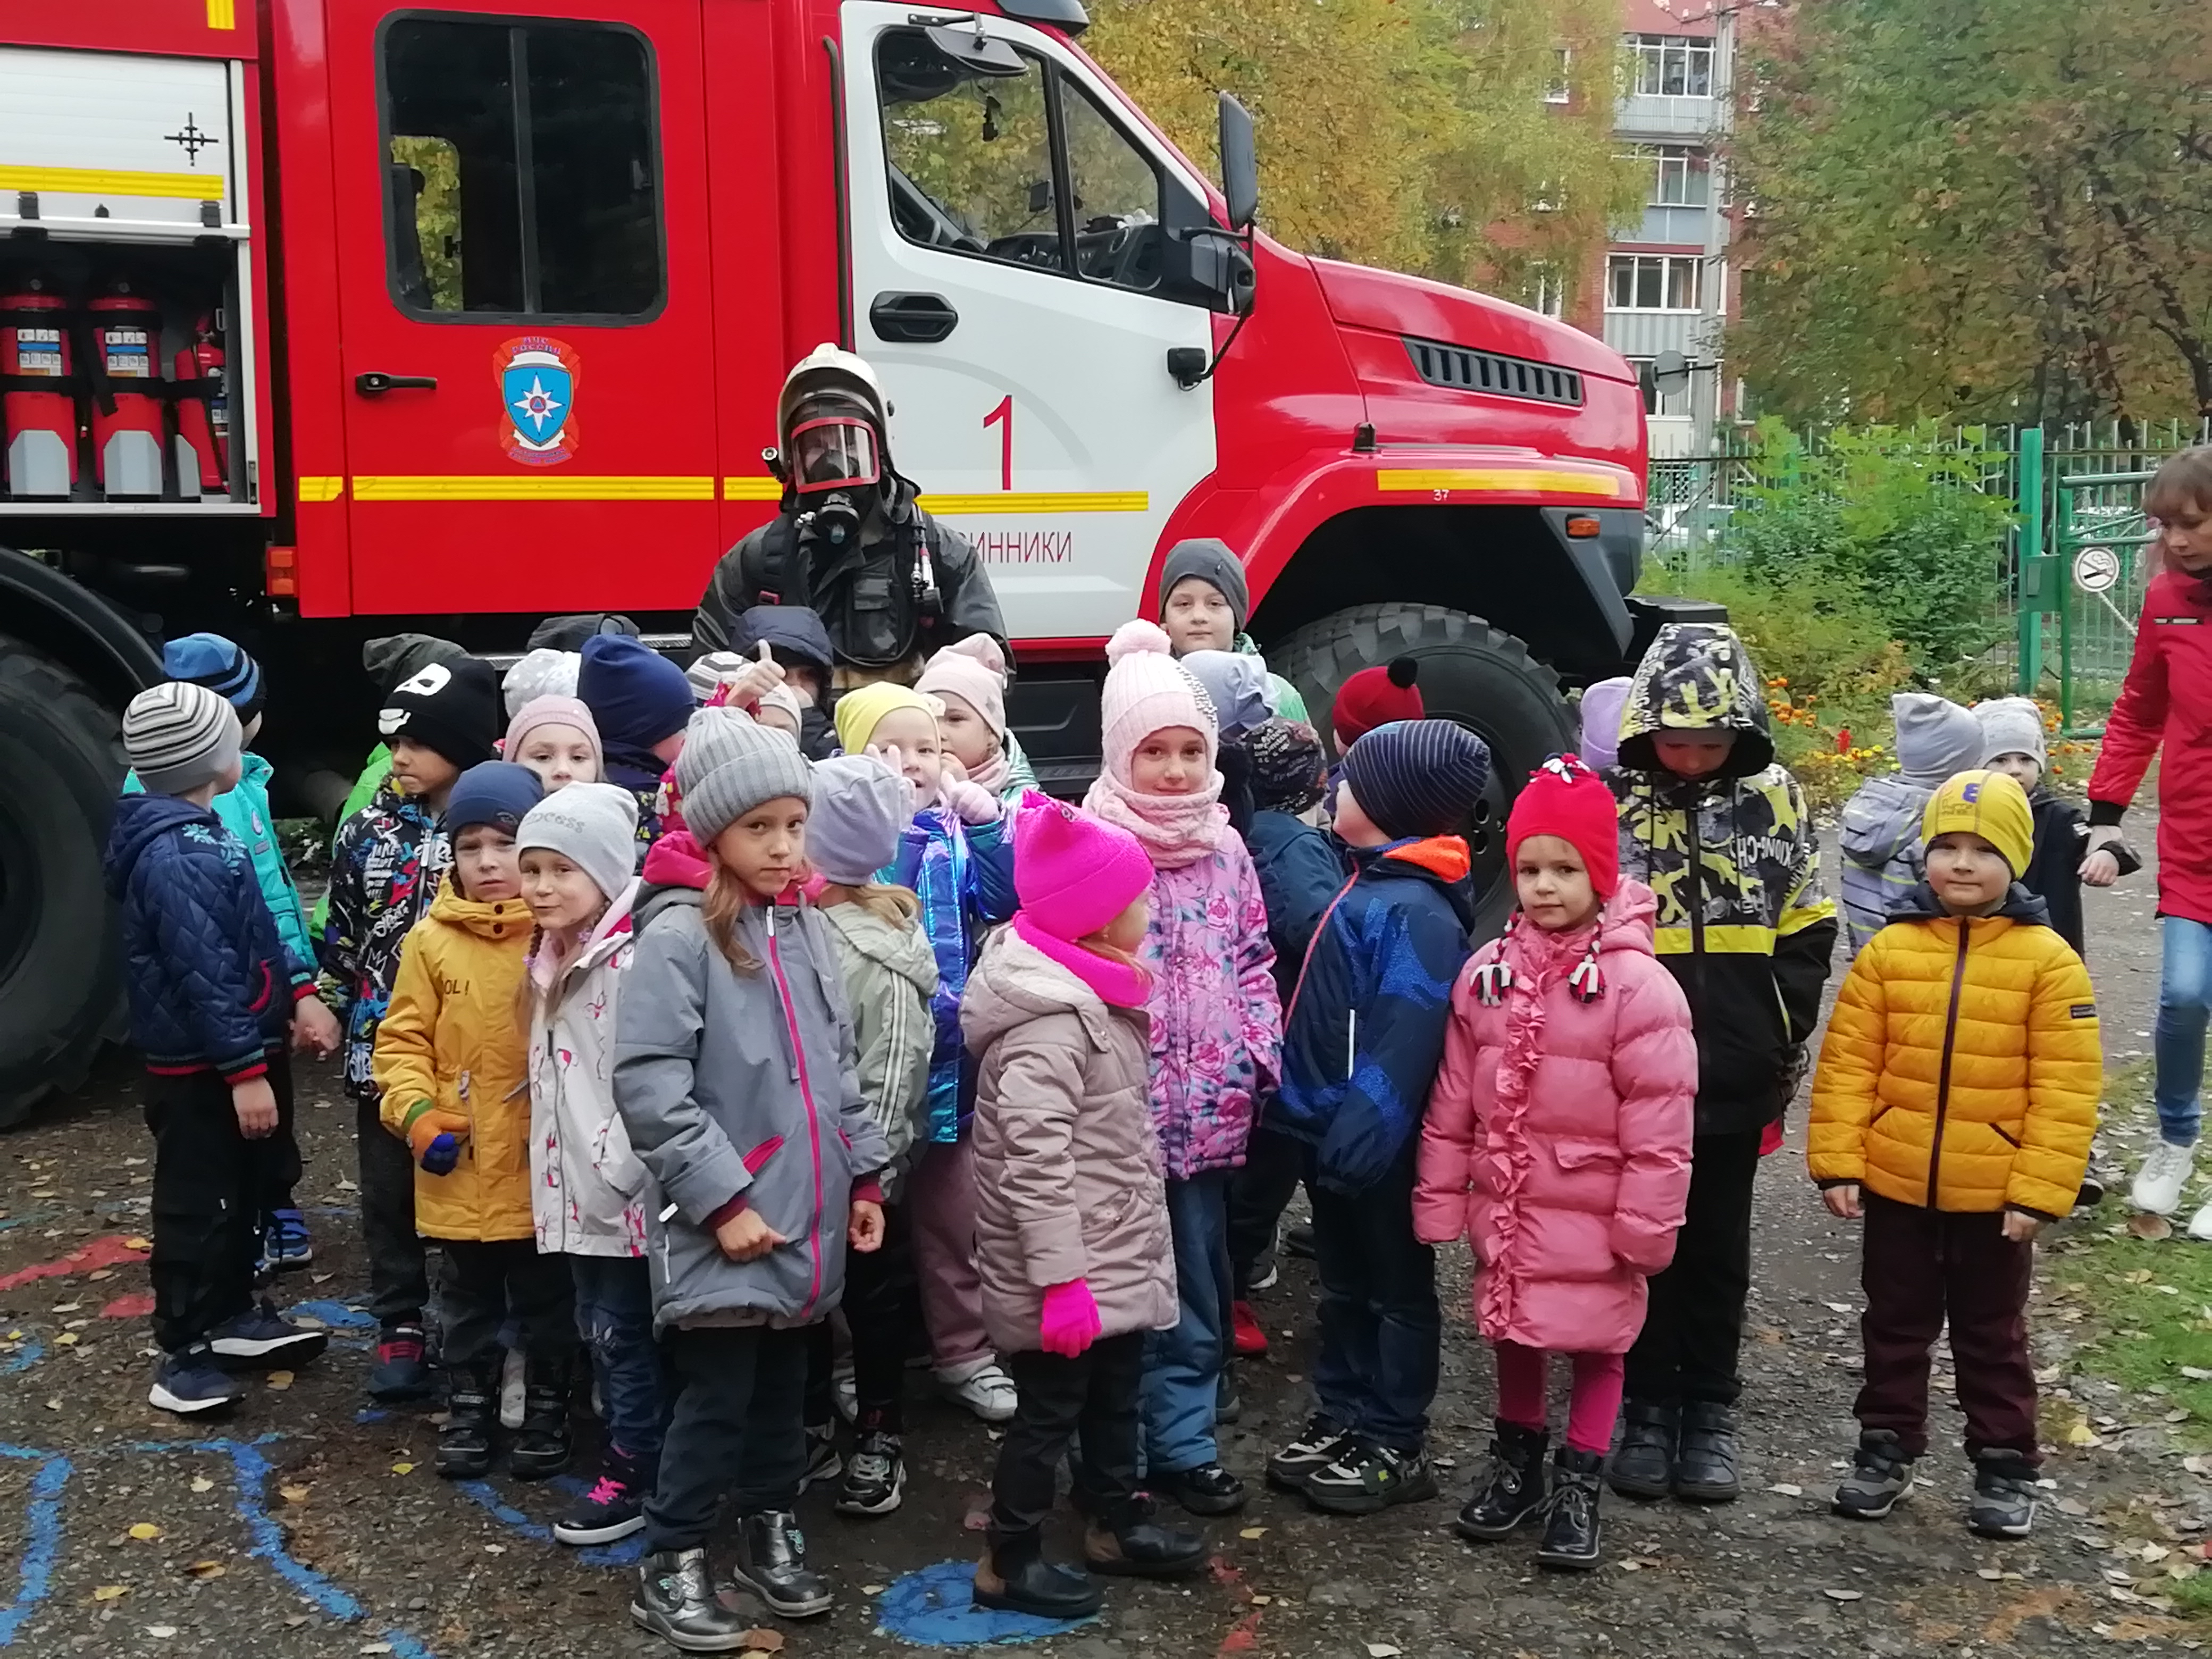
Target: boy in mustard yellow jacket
[[1953, 1107], [452, 1059]]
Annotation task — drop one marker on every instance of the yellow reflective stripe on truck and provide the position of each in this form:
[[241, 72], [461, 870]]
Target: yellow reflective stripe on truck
[[534, 486], [1059, 500], [110, 181], [1518, 480]]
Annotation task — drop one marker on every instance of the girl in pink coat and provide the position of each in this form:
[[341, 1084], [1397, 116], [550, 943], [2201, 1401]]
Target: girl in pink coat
[[1556, 1142]]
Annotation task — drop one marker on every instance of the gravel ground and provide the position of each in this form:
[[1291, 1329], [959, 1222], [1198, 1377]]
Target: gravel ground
[[315, 1528]]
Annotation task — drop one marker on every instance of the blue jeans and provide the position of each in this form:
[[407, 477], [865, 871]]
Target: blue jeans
[[2184, 997], [614, 1316], [1183, 1366], [1375, 1370]]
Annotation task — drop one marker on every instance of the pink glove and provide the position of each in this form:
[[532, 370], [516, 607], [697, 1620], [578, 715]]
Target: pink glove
[[972, 801], [1069, 1324]]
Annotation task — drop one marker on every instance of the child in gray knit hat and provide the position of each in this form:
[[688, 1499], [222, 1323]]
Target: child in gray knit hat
[[734, 1077]]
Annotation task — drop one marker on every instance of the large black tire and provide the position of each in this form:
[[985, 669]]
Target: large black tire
[[61, 957], [1471, 672]]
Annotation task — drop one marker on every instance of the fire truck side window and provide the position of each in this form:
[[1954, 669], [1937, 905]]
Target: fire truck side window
[[522, 173], [1115, 193], [970, 155]]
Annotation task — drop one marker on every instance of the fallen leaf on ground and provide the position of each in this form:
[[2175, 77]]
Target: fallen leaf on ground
[[2082, 1435], [207, 1569], [403, 1469], [2153, 1227], [762, 1641], [1382, 1650], [871, 1589], [1263, 1601], [279, 1380], [111, 1592], [1252, 1532], [145, 1531], [292, 1494], [201, 1483], [66, 1340], [1787, 1490], [1843, 1595], [1988, 1572]]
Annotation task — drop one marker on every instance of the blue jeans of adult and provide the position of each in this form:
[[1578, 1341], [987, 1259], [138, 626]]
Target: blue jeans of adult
[[1183, 1366], [1376, 1371], [2184, 999], [614, 1316]]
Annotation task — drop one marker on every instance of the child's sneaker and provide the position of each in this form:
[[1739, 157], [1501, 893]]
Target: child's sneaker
[[1573, 1535], [986, 1390], [1880, 1475], [1367, 1478], [613, 1509], [1318, 1445], [401, 1370], [875, 1475], [289, 1246], [189, 1382], [1248, 1339], [2004, 1496], [822, 1463], [261, 1338]]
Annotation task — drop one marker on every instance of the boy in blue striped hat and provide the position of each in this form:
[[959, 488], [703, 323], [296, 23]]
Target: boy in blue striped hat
[[226, 669]]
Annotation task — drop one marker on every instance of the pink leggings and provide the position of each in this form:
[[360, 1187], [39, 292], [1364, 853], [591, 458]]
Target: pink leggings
[[1591, 1409]]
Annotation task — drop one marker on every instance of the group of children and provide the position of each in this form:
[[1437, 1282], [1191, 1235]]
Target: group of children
[[676, 1028]]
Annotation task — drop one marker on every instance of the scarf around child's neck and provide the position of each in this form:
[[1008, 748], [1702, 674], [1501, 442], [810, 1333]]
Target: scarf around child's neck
[[1119, 984], [1175, 830]]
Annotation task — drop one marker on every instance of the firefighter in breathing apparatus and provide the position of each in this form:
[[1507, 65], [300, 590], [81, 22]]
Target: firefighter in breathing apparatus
[[889, 583]]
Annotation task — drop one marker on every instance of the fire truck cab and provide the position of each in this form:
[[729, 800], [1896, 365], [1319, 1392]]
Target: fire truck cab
[[321, 319]]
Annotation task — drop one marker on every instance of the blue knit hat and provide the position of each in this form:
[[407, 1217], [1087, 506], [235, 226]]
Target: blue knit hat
[[499, 794], [637, 696], [1417, 777], [211, 660]]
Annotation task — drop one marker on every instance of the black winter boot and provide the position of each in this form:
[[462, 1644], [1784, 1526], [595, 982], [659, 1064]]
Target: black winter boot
[[1515, 1490], [772, 1564], [1644, 1463], [471, 1414], [1123, 1537], [1704, 1463], [541, 1445], [1572, 1536], [1013, 1575]]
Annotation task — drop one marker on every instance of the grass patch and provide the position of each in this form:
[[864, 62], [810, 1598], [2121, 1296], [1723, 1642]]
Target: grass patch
[[2145, 1307]]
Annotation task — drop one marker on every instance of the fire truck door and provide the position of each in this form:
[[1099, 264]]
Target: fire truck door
[[524, 293], [1013, 282]]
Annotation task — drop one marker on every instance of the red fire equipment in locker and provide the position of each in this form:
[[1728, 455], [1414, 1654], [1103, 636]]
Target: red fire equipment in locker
[[40, 425], [203, 423], [127, 424]]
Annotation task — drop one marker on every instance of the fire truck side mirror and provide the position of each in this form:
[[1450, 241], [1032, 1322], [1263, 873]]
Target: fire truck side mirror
[[1240, 164]]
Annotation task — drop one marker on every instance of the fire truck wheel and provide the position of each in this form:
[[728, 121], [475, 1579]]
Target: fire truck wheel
[[1471, 672], [61, 971]]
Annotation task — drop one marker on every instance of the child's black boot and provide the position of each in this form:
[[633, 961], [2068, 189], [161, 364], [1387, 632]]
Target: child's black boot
[[2004, 1495], [1014, 1575], [471, 1412], [1644, 1463], [1514, 1489], [1573, 1535], [1704, 1463], [1124, 1537], [541, 1448]]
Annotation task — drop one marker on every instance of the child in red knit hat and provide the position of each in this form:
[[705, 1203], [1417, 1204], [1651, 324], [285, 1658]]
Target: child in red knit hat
[[1376, 696], [1556, 1142]]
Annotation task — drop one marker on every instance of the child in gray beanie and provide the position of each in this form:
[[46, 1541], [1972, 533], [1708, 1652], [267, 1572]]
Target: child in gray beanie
[[735, 1079], [1881, 834]]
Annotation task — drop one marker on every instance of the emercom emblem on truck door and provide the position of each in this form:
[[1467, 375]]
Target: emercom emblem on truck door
[[537, 376]]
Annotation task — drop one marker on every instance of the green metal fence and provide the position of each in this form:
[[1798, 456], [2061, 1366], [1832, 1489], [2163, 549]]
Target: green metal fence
[[2075, 562]]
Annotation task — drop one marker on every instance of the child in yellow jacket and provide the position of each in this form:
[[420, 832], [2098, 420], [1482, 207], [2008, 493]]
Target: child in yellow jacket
[[452, 1061], [1953, 1108]]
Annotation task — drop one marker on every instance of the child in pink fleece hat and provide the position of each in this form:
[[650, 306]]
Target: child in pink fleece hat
[[556, 738], [1071, 1234], [968, 678]]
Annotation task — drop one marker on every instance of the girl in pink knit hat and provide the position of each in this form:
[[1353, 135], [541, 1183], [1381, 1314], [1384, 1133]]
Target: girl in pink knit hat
[[1072, 1234], [556, 738], [1215, 1033], [968, 679]]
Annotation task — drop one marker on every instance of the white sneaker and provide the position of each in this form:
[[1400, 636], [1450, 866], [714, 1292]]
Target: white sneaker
[[511, 1385], [2200, 1225], [987, 1391], [2164, 1173]]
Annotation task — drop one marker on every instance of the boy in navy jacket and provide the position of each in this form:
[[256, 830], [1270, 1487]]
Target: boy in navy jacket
[[1361, 1044], [212, 998]]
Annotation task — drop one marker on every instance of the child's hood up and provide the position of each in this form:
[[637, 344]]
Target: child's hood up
[[142, 820], [1697, 676], [901, 951]]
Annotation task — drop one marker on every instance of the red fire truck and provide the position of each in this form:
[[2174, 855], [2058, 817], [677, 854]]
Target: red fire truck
[[326, 318]]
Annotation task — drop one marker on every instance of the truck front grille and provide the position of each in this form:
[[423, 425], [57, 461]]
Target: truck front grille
[[1466, 370]]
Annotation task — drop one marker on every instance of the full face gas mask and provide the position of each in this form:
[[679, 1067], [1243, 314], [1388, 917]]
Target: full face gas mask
[[832, 460]]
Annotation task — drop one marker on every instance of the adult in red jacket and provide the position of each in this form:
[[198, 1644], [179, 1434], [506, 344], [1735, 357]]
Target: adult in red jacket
[[2167, 700]]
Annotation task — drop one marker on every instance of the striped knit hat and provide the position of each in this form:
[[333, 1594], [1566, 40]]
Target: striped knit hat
[[1417, 777], [211, 660], [179, 736]]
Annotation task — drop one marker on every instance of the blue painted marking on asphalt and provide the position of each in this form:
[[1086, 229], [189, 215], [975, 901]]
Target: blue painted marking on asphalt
[[23, 1358], [254, 1472], [335, 1314], [934, 1609], [625, 1552], [371, 1414], [42, 1533]]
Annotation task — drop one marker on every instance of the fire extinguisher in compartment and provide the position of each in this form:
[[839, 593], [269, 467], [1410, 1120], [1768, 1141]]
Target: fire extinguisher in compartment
[[203, 423], [127, 424], [40, 425]]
